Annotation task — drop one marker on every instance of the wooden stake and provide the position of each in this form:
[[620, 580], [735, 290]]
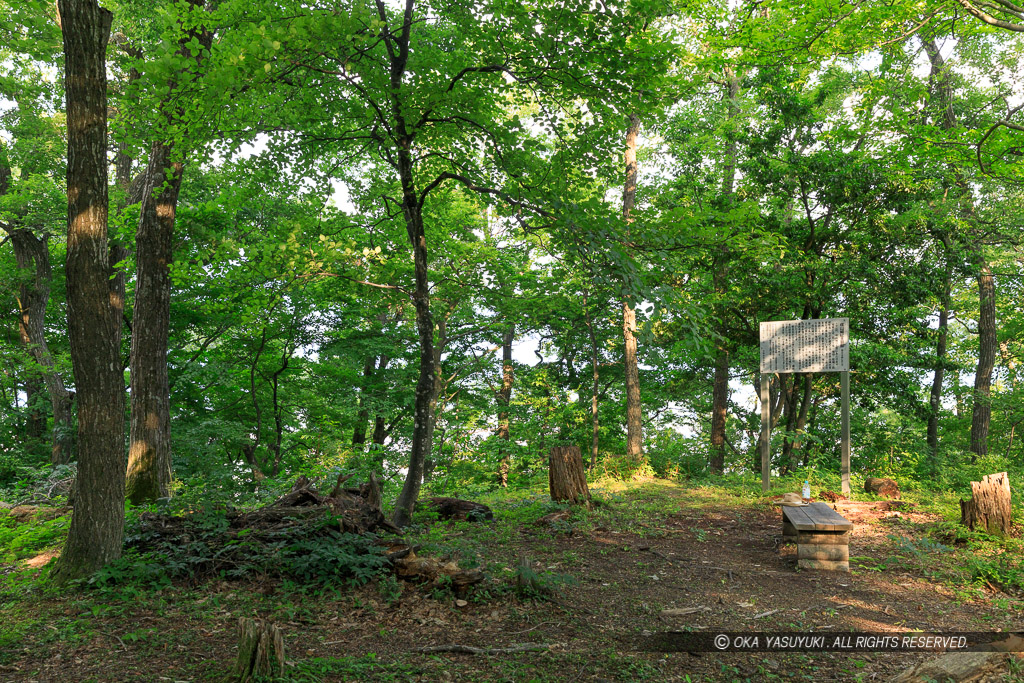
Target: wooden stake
[[766, 433], [845, 457]]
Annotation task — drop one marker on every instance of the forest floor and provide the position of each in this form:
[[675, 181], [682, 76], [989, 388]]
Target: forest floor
[[712, 554]]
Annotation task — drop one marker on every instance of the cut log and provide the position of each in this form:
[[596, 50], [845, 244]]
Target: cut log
[[962, 667], [461, 510], [989, 505], [260, 652], [412, 567], [567, 480], [882, 487]]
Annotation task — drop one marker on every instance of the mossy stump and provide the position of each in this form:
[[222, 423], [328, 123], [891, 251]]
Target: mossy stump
[[260, 652]]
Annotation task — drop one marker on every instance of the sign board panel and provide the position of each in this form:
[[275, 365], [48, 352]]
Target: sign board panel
[[806, 345]]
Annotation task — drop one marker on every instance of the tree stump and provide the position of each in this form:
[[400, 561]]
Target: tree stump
[[989, 505], [567, 480], [887, 488], [260, 651]]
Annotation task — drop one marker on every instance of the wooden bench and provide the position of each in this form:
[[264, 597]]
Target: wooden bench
[[822, 536]]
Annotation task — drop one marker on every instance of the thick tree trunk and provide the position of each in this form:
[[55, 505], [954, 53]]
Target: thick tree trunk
[[720, 387], [504, 398], [380, 427], [412, 210], [379, 430], [149, 454], [719, 409], [97, 525], [634, 415], [981, 412], [567, 480], [35, 413], [359, 431], [31, 253], [935, 397], [595, 387], [989, 505], [423, 425], [796, 417]]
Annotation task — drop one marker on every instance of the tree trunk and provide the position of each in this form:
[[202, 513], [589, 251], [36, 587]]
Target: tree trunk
[[720, 388], [504, 398], [35, 413], [32, 253], [989, 505], [796, 416], [149, 454], [935, 398], [719, 409], [380, 428], [981, 412], [567, 480], [594, 388], [97, 525], [634, 416], [359, 431]]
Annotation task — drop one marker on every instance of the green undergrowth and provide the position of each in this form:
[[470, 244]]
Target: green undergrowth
[[22, 540]]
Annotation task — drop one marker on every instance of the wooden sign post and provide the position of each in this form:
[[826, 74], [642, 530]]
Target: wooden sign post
[[805, 346]]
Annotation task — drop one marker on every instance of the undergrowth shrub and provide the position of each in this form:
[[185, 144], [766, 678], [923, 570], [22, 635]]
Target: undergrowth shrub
[[205, 545]]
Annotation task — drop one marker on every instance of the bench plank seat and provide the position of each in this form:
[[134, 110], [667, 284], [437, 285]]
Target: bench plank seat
[[816, 517], [822, 536]]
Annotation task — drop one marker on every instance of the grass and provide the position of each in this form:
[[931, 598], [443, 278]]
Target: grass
[[190, 627]]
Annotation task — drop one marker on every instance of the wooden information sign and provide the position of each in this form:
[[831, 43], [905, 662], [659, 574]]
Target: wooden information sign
[[805, 346]]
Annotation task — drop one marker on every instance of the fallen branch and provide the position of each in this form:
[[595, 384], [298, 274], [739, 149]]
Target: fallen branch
[[469, 650]]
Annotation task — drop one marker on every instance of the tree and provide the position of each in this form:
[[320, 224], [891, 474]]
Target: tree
[[97, 524], [149, 451]]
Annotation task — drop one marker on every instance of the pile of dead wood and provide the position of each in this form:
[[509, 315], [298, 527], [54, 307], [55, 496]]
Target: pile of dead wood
[[357, 508], [306, 512]]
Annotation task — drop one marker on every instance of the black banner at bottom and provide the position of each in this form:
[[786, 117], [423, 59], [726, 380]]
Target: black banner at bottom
[[816, 641]]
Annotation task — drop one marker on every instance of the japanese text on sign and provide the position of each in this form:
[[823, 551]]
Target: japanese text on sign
[[805, 345]]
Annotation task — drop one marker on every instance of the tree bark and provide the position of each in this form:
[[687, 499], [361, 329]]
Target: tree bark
[[97, 525], [935, 397], [989, 506], [412, 211], [149, 454], [720, 387], [567, 480], [31, 253], [260, 652], [634, 415], [981, 412], [595, 387], [504, 399], [719, 410], [359, 431]]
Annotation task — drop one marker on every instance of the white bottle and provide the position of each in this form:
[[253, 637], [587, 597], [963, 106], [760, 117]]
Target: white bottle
[[807, 492]]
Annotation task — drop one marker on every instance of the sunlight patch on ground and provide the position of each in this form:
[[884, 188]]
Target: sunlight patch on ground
[[42, 558]]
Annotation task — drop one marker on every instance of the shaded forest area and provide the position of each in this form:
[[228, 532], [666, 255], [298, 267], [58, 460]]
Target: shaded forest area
[[424, 245]]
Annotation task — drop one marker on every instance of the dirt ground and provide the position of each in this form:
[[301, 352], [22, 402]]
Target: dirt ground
[[720, 567]]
